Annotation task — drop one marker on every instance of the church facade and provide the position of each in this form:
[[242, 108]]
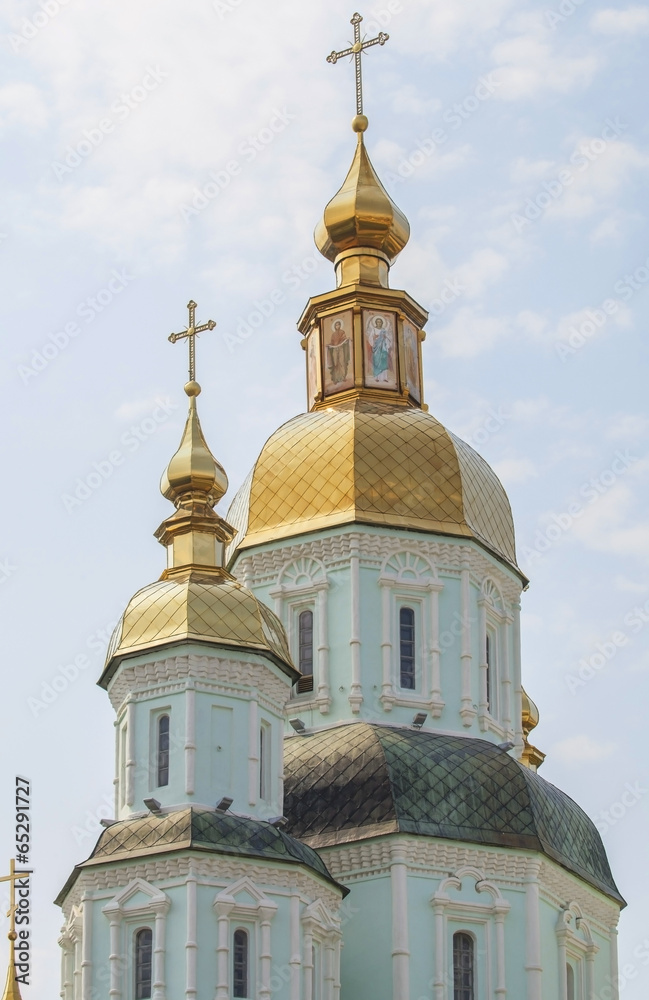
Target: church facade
[[324, 785]]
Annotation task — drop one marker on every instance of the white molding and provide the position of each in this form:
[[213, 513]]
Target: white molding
[[137, 681], [467, 711], [261, 912], [356, 690], [575, 941], [190, 738], [400, 935], [533, 961], [191, 943]]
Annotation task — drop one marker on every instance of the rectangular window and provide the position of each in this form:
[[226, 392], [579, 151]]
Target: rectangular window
[[143, 963], [240, 963], [162, 755], [463, 967], [407, 658], [305, 650], [264, 761]]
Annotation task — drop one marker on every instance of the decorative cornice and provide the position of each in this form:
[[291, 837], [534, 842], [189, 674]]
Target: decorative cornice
[[264, 565], [213, 670]]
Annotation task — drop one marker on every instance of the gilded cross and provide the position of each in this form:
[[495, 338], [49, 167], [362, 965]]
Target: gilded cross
[[190, 333], [356, 50]]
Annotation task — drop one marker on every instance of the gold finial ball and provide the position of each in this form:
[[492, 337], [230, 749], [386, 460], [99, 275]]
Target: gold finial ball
[[360, 123], [12, 935], [193, 388]]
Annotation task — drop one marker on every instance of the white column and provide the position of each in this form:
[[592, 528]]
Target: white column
[[253, 751], [439, 982], [191, 944], [518, 695], [307, 962], [294, 957], [356, 693], [436, 701], [265, 955], [337, 967], [467, 711], [190, 738], [160, 927], [483, 705], [562, 993], [533, 966], [324, 692], [116, 788], [507, 677], [130, 754], [76, 940], [67, 968], [223, 951], [86, 945], [614, 967], [400, 942], [500, 912], [115, 959], [590, 972], [329, 964], [387, 690]]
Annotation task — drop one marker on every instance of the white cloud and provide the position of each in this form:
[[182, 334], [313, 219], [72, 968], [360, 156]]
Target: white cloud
[[469, 333], [515, 470], [582, 749], [632, 21], [530, 64], [484, 268], [22, 104]]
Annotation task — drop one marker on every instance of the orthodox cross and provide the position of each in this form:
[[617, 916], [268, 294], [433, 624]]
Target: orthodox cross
[[190, 333], [356, 50]]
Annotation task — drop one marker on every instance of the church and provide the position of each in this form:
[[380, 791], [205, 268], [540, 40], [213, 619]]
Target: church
[[324, 781]]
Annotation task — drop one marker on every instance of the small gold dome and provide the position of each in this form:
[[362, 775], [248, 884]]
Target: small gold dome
[[362, 214], [193, 470], [372, 463], [196, 608], [530, 714]]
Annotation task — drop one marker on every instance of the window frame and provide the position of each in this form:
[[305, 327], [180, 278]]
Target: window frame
[[247, 994], [414, 601], [458, 990], [306, 683], [412, 642], [160, 767], [135, 935]]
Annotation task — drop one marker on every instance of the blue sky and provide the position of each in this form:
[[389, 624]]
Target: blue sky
[[160, 151]]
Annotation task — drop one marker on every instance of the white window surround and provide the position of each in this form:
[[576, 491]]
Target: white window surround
[[257, 912], [154, 718], [407, 579], [460, 914], [302, 585], [575, 944], [319, 928], [494, 620], [124, 918]]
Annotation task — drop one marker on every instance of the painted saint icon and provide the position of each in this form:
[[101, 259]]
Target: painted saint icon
[[411, 357], [339, 352], [380, 350], [313, 366]]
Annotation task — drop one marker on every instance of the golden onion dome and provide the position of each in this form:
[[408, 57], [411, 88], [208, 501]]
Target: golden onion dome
[[530, 714], [202, 609], [370, 462], [193, 469], [362, 214]]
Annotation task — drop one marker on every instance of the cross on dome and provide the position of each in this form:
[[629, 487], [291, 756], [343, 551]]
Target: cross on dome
[[356, 50], [190, 334]]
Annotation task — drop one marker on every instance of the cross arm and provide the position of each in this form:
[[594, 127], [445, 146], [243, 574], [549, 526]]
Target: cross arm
[[334, 56]]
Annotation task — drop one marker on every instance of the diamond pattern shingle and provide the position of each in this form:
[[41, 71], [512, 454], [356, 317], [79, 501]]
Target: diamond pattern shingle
[[357, 781], [371, 462]]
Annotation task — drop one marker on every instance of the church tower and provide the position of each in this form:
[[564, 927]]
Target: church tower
[[385, 544], [194, 890]]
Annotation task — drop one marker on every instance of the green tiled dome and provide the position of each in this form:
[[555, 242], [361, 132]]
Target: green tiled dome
[[360, 781]]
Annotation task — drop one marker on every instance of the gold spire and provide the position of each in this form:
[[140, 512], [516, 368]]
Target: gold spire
[[362, 230], [195, 536], [532, 757]]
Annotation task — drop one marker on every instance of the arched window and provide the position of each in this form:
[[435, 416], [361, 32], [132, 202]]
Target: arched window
[[305, 650], [570, 982], [143, 956], [407, 648], [463, 967], [163, 751], [240, 961]]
